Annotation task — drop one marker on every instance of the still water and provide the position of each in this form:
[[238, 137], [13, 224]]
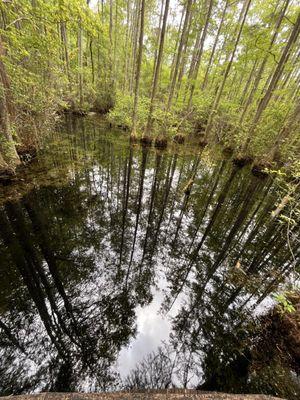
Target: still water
[[125, 267]]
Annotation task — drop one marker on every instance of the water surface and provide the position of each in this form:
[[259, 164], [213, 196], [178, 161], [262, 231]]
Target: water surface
[[124, 266]]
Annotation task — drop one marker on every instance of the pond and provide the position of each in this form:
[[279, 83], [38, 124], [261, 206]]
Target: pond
[[129, 267]]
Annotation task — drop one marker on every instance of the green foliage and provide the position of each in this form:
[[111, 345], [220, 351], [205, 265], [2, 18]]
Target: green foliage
[[121, 115], [274, 379], [67, 55], [284, 305]]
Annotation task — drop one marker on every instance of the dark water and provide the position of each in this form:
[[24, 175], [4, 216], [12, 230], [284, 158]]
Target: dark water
[[124, 266]]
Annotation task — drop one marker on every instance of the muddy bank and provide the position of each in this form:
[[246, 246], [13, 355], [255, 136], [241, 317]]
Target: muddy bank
[[176, 394]]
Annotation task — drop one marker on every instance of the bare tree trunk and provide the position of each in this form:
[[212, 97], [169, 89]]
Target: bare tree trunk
[[111, 83], [183, 58], [157, 66], [92, 60], [138, 67], [6, 82], [181, 43], [263, 64], [115, 62], [194, 55], [80, 64], [126, 50], [135, 30], [293, 120], [274, 81], [158, 35], [176, 44], [102, 10], [242, 17], [248, 83], [64, 39], [9, 156], [214, 46], [199, 55], [3, 165]]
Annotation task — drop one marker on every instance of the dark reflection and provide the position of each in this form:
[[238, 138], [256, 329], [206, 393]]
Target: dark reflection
[[107, 227]]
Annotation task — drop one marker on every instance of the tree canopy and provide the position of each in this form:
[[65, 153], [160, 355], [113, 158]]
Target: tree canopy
[[228, 70]]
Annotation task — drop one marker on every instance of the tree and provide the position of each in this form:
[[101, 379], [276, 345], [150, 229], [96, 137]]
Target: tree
[[157, 66], [9, 158], [274, 80], [138, 67]]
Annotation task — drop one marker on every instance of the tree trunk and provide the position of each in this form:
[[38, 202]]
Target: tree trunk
[[248, 83], [293, 120], [80, 65], [214, 47], [135, 30], [127, 46], [265, 59], [274, 80], [199, 55], [176, 43], [194, 55], [138, 67], [157, 66], [9, 156], [6, 82], [64, 39], [158, 35], [178, 57], [115, 62], [216, 102], [111, 77], [184, 57]]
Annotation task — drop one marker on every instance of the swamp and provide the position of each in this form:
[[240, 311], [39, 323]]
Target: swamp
[[149, 196]]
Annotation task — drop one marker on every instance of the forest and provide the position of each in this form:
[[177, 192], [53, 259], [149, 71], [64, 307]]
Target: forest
[[227, 71], [149, 196]]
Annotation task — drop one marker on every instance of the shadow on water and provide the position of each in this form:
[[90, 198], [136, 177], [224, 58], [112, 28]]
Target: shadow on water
[[109, 234]]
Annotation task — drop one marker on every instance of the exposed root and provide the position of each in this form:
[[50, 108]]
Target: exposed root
[[228, 151], [180, 139], [200, 127], [203, 143], [161, 142], [78, 113], [146, 140], [133, 138], [240, 161], [188, 187], [6, 176], [258, 169], [27, 153], [123, 127]]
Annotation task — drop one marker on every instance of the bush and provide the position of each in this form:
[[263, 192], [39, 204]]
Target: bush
[[121, 114]]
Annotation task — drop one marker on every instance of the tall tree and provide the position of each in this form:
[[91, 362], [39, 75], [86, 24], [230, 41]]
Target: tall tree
[[9, 157], [157, 66], [179, 52], [204, 83], [261, 69], [217, 98], [199, 54], [274, 80], [138, 67]]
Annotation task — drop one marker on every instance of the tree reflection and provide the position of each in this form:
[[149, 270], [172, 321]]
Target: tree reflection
[[80, 254]]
